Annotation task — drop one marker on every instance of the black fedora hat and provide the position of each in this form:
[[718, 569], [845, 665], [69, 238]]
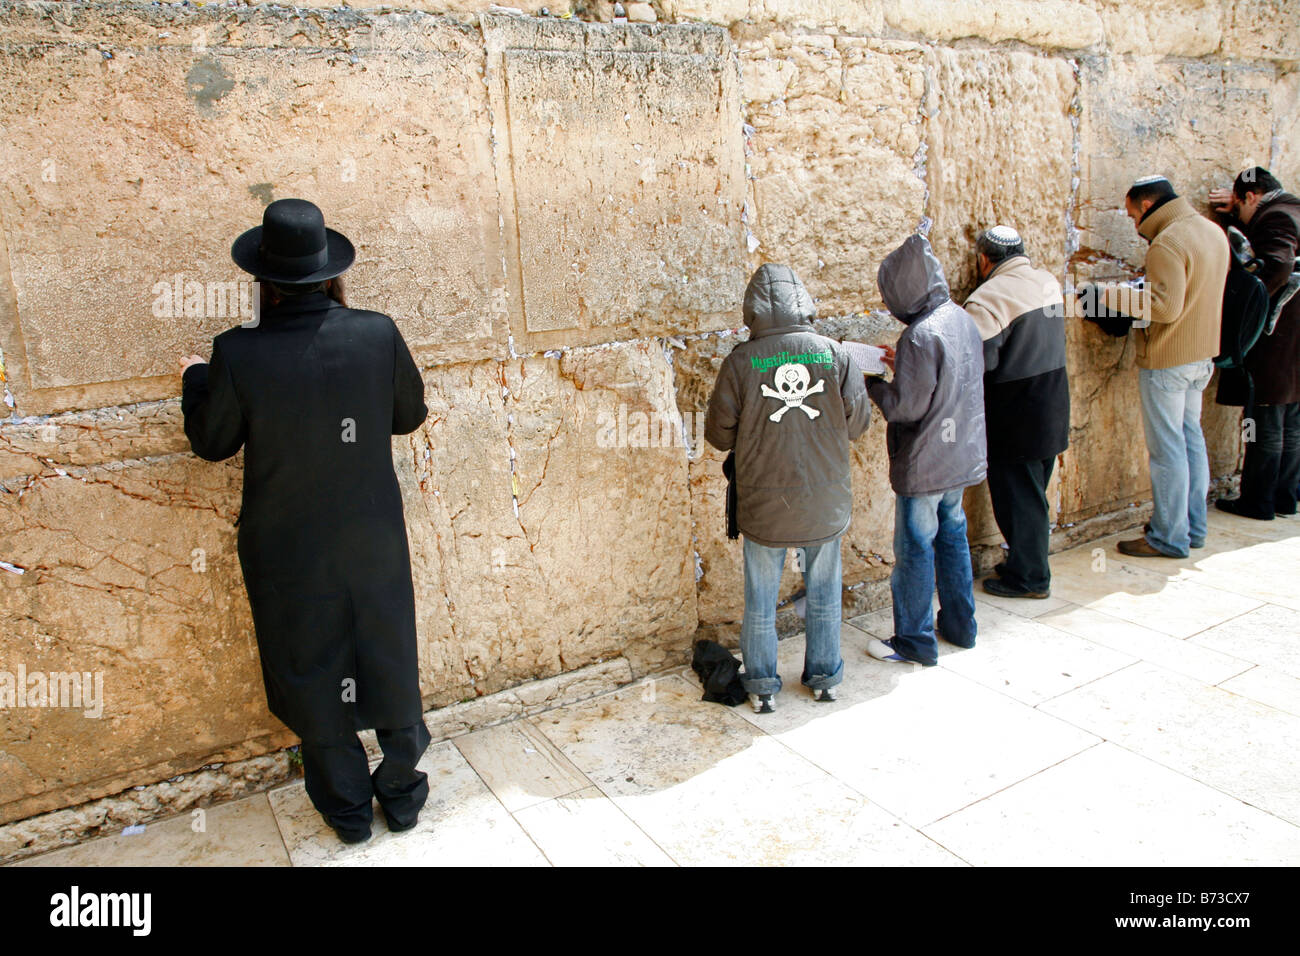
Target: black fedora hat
[[293, 246]]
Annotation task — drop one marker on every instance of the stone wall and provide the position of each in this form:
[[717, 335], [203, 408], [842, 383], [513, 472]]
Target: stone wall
[[561, 213]]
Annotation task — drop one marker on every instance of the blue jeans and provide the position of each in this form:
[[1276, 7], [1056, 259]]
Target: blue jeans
[[1180, 467], [929, 544], [822, 665]]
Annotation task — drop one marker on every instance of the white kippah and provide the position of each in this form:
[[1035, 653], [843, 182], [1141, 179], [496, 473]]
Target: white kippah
[[1148, 180], [1002, 236]]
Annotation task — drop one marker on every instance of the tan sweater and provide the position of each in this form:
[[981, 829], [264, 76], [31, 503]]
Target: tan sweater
[[1186, 268]]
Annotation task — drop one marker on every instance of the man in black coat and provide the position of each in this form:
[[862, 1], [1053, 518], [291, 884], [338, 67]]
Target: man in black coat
[[313, 391], [1270, 219]]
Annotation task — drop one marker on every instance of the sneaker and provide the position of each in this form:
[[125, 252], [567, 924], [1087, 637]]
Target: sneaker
[[1002, 589], [826, 695], [762, 703], [884, 651]]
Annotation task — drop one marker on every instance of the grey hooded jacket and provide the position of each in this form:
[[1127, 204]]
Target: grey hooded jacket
[[788, 401], [935, 403]]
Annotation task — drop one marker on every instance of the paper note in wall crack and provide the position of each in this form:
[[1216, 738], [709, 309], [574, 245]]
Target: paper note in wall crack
[[867, 357]]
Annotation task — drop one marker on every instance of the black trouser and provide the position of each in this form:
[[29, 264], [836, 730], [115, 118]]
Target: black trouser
[[340, 784], [1271, 470], [1019, 493]]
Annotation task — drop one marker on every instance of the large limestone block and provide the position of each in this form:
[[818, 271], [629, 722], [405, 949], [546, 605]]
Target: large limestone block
[[596, 560], [835, 157], [1285, 160], [129, 576], [1000, 149], [196, 121], [623, 151], [29, 446], [1196, 122], [1168, 27], [846, 16], [1263, 29], [1046, 23]]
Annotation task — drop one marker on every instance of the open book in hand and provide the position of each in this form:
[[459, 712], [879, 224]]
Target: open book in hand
[[867, 357]]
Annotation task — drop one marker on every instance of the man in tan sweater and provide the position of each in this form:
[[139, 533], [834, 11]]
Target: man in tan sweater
[[1186, 267]]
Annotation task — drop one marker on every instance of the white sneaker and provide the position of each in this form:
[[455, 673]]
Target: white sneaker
[[826, 695], [762, 703], [882, 651]]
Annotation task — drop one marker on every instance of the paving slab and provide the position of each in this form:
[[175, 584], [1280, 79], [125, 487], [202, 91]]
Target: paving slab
[[1268, 635], [1237, 745], [238, 833], [588, 829], [1109, 807], [1092, 577], [463, 824], [709, 788], [1267, 686], [1176, 654], [520, 765]]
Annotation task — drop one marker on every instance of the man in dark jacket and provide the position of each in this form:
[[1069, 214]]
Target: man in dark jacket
[[1020, 314], [935, 410], [313, 391], [1270, 219], [789, 401]]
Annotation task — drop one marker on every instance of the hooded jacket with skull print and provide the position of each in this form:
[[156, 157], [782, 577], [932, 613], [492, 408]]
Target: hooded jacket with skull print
[[789, 402], [935, 403]]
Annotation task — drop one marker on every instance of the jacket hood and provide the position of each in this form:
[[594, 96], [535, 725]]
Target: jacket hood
[[776, 301], [911, 280]]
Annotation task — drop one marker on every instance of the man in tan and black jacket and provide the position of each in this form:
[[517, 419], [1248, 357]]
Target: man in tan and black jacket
[[1020, 314], [1186, 268]]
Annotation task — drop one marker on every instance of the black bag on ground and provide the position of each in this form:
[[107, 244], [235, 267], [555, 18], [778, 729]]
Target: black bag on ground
[[719, 672]]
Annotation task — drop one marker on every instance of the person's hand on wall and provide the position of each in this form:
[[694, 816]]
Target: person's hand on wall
[[187, 360], [1221, 200]]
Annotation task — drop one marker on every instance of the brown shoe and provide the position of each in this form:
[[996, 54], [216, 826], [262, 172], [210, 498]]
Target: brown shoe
[[1139, 548]]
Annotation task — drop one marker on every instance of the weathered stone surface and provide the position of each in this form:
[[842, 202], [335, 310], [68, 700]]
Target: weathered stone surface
[[597, 561], [1047, 23], [983, 170], [645, 234], [835, 159], [1285, 159], [193, 138], [848, 16], [29, 446], [1264, 29], [1169, 27], [1198, 123], [129, 572]]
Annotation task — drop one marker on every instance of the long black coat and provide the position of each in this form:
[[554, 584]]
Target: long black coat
[[313, 394], [1274, 361]]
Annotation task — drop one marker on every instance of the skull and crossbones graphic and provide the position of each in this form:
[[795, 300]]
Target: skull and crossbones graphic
[[792, 388]]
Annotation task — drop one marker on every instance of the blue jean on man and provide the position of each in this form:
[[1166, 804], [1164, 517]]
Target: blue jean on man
[[822, 665], [930, 545], [1180, 466]]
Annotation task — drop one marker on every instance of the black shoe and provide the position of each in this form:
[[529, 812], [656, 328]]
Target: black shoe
[[353, 836], [1235, 506], [1002, 589], [1000, 568]]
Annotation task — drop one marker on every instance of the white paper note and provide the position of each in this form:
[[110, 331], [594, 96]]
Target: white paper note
[[867, 357]]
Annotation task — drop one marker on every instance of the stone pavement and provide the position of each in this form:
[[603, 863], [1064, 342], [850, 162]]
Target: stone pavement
[[1148, 713]]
